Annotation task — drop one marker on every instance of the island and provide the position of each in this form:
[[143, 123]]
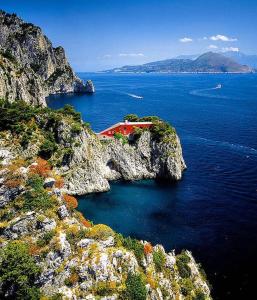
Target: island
[[209, 62]]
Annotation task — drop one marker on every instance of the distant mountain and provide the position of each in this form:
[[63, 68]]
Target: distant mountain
[[242, 58], [209, 62], [190, 56]]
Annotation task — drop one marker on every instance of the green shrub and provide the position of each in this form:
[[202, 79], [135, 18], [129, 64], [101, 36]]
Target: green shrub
[[159, 260], [37, 197], [74, 237], [135, 287], [183, 257], [121, 137], [69, 110], [161, 129], [186, 287], [36, 182], [48, 147], [76, 128], [104, 289], [199, 295], [131, 118], [132, 245], [150, 119], [100, 232], [18, 272], [25, 139], [13, 114], [182, 261], [45, 240]]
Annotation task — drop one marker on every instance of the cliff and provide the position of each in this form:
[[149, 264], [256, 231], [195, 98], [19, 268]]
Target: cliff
[[48, 249], [30, 67], [86, 162]]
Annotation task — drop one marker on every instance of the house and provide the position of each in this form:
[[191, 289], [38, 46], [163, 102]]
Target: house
[[126, 128]]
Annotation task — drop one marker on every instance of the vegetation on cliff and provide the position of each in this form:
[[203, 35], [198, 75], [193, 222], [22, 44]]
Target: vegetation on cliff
[[61, 253], [35, 234], [29, 124], [161, 130]]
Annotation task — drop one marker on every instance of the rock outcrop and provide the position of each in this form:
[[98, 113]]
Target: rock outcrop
[[94, 163], [30, 67], [86, 161], [69, 258], [90, 87]]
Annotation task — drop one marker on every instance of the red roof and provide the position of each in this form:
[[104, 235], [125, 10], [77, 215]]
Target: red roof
[[125, 128]]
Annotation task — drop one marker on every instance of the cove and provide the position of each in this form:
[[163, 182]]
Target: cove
[[212, 210]]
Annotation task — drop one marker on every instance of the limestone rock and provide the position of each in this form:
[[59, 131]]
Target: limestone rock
[[31, 68], [90, 87], [63, 212], [49, 182], [93, 164]]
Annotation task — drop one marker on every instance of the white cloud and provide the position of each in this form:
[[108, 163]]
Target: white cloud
[[186, 40], [131, 54], [213, 47], [223, 38], [233, 49]]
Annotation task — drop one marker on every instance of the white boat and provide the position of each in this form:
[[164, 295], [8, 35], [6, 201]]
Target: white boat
[[219, 86]]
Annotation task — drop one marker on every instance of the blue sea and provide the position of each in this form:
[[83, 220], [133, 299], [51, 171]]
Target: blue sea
[[213, 210]]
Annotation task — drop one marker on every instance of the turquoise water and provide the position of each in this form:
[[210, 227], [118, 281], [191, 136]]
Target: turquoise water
[[213, 210]]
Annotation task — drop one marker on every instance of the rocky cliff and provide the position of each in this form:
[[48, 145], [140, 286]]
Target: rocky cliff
[[87, 162], [94, 163], [30, 67], [50, 251]]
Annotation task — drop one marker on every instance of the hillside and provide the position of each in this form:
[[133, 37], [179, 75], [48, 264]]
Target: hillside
[[209, 62], [30, 67], [51, 251], [242, 58]]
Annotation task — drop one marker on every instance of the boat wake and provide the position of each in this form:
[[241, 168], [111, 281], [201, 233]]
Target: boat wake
[[202, 92], [234, 147], [135, 96]]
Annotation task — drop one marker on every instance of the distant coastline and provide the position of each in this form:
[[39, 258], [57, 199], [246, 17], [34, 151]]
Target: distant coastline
[[104, 72], [207, 63]]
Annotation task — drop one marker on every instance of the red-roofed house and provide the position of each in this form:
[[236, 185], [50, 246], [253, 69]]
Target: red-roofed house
[[126, 128]]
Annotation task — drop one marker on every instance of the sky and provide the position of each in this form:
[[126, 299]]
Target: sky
[[102, 34]]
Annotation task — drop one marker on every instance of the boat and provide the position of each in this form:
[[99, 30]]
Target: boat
[[219, 86]]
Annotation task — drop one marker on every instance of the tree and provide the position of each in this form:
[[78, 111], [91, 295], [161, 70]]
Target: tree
[[131, 118], [135, 287], [18, 272]]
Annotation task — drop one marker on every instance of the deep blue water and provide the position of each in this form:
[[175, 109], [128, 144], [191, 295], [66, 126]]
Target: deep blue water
[[213, 210]]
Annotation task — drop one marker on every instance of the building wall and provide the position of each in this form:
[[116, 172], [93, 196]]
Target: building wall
[[125, 129]]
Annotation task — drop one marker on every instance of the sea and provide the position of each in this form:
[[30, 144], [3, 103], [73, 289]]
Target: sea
[[212, 211]]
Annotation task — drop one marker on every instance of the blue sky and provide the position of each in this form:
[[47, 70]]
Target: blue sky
[[100, 34]]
